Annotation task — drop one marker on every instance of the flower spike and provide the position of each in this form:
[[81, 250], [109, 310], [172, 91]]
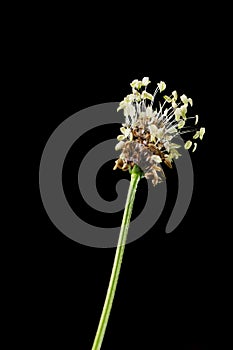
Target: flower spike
[[147, 134]]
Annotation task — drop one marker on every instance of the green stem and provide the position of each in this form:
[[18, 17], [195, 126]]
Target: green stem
[[135, 177]]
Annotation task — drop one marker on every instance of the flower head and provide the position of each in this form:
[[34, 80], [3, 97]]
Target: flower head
[[147, 134]]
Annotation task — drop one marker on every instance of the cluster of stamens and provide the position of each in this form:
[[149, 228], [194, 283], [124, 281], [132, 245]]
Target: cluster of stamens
[[146, 139]]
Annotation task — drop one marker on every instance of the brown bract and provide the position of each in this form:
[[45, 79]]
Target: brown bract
[[141, 152]]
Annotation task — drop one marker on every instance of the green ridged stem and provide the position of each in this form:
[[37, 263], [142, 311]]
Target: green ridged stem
[[136, 174]]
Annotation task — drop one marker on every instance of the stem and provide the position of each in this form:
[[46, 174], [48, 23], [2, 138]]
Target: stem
[[135, 177]]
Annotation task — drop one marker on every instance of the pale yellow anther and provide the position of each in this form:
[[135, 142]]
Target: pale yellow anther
[[202, 131], [188, 144], [161, 86], [194, 147]]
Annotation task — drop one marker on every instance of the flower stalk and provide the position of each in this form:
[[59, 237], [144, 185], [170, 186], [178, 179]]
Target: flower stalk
[[146, 142], [136, 174]]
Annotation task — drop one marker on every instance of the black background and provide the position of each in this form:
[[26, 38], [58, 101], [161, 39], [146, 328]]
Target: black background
[[167, 296]]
